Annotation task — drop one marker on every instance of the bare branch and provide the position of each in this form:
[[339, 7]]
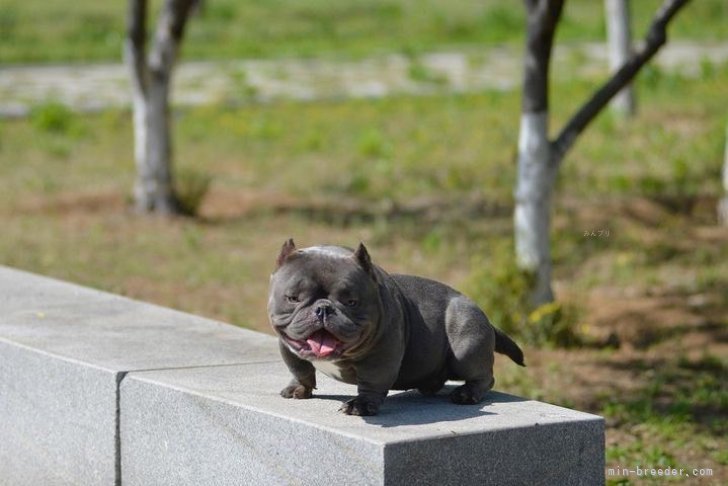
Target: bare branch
[[135, 46], [656, 37], [170, 29], [543, 17]]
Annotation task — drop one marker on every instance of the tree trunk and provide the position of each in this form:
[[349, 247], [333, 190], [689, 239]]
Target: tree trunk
[[154, 188], [540, 158], [723, 202], [619, 44], [531, 218]]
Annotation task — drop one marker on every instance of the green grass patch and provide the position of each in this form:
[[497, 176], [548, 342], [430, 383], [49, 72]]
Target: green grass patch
[[499, 286], [85, 30], [682, 403]]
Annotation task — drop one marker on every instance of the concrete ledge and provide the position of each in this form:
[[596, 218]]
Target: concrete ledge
[[57, 420], [227, 425], [63, 351], [99, 389]]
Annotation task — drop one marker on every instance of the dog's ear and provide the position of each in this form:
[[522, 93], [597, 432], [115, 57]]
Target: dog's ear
[[288, 247], [361, 256]]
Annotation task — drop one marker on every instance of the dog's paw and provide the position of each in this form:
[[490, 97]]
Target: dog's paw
[[466, 395], [296, 391], [361, 406]]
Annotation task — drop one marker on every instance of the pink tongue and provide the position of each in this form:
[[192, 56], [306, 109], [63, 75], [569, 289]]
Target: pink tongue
[[322, 343]]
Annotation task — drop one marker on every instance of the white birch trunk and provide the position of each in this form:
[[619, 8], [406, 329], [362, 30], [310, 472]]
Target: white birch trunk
[[534, 183], [723, 202], [158, 182], [153, 188], [538, 157], [619, 44], [536, 176], [140, 109], [155, 178]]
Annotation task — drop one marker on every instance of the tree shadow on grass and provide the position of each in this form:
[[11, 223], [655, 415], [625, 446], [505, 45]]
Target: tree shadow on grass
[[675, 391], [344, 212]]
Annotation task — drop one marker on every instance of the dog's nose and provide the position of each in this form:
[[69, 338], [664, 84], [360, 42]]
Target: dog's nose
[[323, 311]]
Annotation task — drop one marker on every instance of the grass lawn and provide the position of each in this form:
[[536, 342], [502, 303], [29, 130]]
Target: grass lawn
[[426, 182], [89, 30]]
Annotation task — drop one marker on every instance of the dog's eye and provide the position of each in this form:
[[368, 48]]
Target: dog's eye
[[292, 299], [352, 303]]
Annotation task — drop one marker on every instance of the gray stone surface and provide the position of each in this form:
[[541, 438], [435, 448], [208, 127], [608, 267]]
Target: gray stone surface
[[227, 425], [117, 333], [57, 420], [63, 350]]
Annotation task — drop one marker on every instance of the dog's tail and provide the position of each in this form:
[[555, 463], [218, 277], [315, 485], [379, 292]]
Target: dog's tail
[[506, 345]]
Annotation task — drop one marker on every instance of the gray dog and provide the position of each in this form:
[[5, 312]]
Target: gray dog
[[335, 311]]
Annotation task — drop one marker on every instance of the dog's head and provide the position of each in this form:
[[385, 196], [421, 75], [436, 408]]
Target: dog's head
[[324, 301]]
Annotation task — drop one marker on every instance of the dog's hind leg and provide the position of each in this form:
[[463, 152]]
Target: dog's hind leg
[[472, 344]]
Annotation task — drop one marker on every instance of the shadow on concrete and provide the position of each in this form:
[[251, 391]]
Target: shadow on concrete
[[413, 408]]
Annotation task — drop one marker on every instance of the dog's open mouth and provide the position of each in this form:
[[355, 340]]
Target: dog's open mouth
[[321, 344]]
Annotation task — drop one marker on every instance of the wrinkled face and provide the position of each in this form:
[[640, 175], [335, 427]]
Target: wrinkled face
[[323, 306]]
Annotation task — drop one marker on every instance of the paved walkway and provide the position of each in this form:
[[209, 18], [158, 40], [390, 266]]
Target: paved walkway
[[94, 87]]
